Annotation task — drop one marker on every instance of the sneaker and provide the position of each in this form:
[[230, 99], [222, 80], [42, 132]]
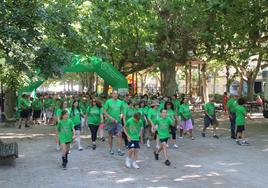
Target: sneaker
[[135, 165], [120, 152], [148, 143], [80, 148], [94, 146], [175, 146], [128, 162], [238, 143], [203, 135], [244, 143], [156, 155], [180, 137], [167, 162], [167, 145], [27, 126], [111, 152], [192, 138], [216, 136]]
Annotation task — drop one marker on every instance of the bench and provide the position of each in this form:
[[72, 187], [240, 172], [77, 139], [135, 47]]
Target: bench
[[8, 150]]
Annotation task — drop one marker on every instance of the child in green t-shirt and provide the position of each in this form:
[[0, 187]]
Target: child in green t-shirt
[[75, 115], [133, 131], [66, 133], [240, 120], [162, 126], [210, 117]]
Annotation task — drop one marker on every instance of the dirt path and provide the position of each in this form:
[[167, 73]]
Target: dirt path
[[204, 162]]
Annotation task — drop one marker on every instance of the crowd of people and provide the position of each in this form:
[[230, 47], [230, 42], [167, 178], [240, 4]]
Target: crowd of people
[[130, 120]]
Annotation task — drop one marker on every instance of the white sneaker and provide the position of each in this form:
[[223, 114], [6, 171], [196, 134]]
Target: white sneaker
[[128, 162], [69, 152], [167, 145], [175, 146], [80, 148], [148, 143], [180, 137], [157, 146], [135, 165]]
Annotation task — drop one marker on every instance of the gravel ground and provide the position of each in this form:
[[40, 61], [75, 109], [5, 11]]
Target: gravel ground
[[204, 162]]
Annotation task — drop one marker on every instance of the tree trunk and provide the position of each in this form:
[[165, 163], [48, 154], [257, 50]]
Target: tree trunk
[[168, 79], [105, 88], [228, 81], [241, 86], [204, 83], [199, 80], [250, 90], [96, 83], [214, 82], [186, 79], [252, 77], [10, 102], [190, 79], [72, 85]]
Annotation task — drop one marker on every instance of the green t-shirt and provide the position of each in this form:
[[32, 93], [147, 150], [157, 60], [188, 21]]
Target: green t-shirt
[[129, 112], [75, 116], [114, 108], [210, 108], [48, 103], [163, 127], [153, 114], [240, 112], [59, 110], [93, 114], [176, 104], [133, 129], [185, 111], [83, 107], [65, 129], [231, 105], [143, 112], [37, 105], [171, 114], [24, 103]]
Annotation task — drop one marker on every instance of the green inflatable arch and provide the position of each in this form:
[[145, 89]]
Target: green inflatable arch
[[89, 64]]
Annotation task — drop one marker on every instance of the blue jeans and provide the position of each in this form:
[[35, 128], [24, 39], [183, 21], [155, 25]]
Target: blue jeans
[[232, 127]]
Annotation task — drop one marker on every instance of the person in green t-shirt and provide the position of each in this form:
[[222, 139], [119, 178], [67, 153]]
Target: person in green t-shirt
[[94, 116], [143, 109], [75, 115], [114, 110], [57, 115], [186, 118], [210, 117], [66, 134], [83, 104], [133, 131], [153, 115], [231, 105], [171, 113], [241, 114], [48, 105], [37, 108], [25, 109], [162, 125]]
